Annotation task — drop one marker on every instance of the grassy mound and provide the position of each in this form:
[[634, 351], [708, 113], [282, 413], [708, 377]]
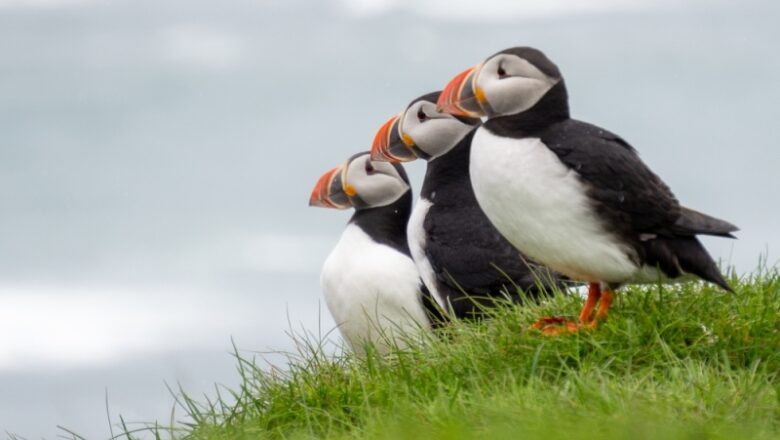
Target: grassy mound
[[675, 361]]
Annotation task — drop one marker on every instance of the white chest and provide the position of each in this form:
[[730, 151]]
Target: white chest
[[541, 207], [415, 231], [372, 291]]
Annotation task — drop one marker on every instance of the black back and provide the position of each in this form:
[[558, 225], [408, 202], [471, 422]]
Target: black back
[[472, 261]]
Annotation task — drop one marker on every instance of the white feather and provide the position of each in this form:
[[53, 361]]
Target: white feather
[[540, 205], [372, 291], [415, 231]]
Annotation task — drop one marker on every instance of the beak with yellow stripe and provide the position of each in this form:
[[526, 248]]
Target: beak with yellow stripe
[[461, 96], [330, 190], [420, 132], [390, 145], [360, 183]]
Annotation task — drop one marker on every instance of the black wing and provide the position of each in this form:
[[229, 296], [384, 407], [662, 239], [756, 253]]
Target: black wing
[[636, 203], [693, 222], [625, 192]]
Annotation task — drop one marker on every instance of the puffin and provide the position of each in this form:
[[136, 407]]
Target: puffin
[[463, 260], [571, 195], [370, 283]]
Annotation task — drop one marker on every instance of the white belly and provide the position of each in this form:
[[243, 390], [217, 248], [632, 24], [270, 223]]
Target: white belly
[[372, 291], [416, 234], [540, 206]]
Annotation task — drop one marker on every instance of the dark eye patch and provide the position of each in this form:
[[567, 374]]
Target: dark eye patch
[[501, 72]]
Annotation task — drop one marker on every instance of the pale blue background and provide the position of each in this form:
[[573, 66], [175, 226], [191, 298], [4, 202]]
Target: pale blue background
[[156, 160]]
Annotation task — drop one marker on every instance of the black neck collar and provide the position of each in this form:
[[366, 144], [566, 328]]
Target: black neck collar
[[387, 224], [552, 108], [450, 168]]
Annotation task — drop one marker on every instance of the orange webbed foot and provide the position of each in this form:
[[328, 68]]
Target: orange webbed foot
[[555, 325]]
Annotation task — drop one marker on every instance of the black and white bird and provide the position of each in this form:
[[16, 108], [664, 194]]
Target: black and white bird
[[464, 261], [568, 194], [370, 283]]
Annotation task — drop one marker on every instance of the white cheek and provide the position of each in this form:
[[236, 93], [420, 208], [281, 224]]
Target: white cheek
[[427, 133], [438, 136], [380, 190], [514, 95]]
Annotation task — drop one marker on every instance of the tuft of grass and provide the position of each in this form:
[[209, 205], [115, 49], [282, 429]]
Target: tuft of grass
[[683, 361]]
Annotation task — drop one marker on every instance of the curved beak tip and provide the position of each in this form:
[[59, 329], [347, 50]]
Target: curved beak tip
[[319, 195], [315, 200]]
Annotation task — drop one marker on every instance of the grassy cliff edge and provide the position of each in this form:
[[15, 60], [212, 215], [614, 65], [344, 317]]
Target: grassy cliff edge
[[675, 361]]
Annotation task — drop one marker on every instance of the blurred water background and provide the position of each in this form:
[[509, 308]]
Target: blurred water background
[[156, 160]]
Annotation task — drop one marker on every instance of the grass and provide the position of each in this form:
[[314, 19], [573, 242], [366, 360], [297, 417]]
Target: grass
[[682, 361]]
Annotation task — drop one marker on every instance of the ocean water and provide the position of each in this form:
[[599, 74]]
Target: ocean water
[[156, 160]]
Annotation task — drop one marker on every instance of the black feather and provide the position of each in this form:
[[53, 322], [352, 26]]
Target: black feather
[[387, 224], [633, 201], [472, 261], [694, 222], [680, 255], [433, 310]]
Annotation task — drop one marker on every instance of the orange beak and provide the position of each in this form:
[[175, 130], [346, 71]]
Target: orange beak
[[461, 97], [328, 192], [390, 146]]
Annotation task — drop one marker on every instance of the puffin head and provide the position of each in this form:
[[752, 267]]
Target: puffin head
[[420, 131], [360, 183], [507, 83]]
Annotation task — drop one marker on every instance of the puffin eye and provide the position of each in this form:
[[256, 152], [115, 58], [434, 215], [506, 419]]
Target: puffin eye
[[369, 168], [421, 116], [501, 72]]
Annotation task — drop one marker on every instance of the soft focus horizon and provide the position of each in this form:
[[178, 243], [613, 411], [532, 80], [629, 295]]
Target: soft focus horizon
[[156, 160]]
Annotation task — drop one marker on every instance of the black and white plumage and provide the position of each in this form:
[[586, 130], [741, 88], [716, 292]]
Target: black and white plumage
[[463, 260], [569, 194], [370, 283]]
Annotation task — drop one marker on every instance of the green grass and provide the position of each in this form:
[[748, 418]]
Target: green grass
[[683, 361]]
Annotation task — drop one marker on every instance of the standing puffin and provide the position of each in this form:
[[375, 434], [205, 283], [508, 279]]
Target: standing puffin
[[463, 260], [369, 281], [568, 194]]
